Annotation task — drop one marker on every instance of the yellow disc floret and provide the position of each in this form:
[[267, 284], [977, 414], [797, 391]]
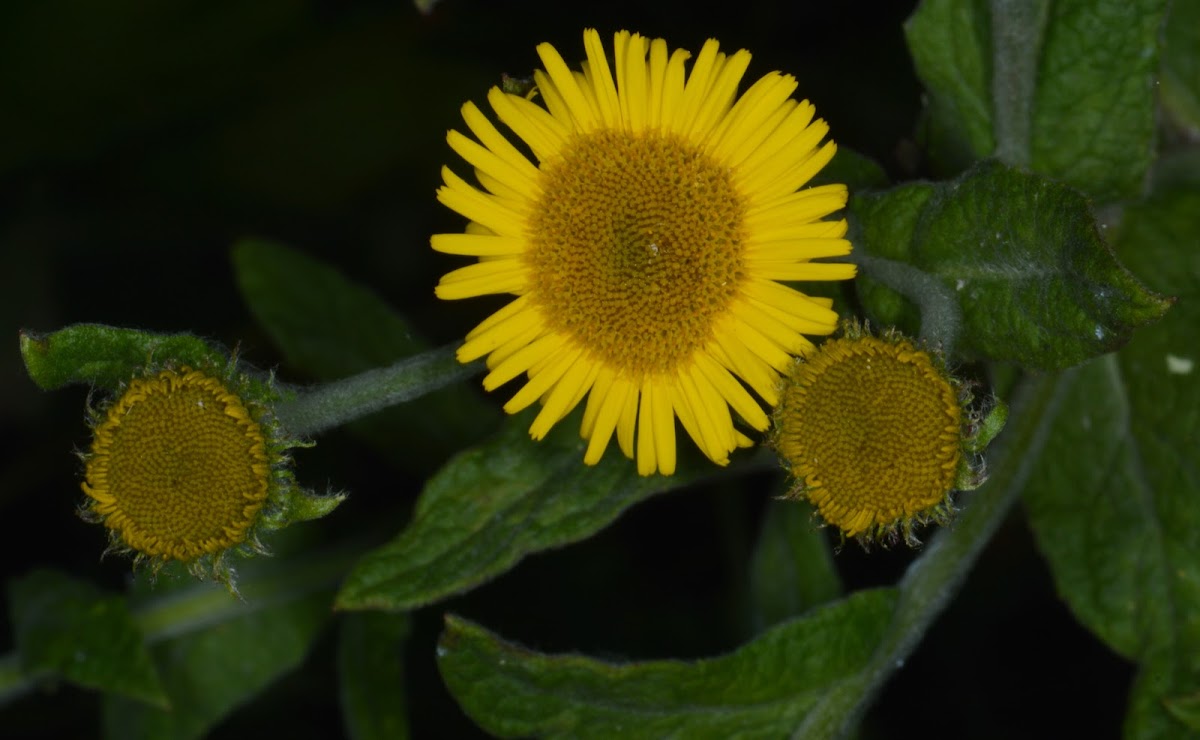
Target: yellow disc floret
[[636, 248], [179, 467], [872, 431]]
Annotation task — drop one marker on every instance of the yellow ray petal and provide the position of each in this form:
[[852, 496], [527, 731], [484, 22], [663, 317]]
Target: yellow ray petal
[[477, 246], [602, 80], [491, 138], [542, 381], [523, 360], [460, 196], [584, 114], [606, 420]]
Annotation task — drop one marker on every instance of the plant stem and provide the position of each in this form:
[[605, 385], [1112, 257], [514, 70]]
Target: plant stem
[[333, 404], [1017, 30], [941, 317], [933, 579]]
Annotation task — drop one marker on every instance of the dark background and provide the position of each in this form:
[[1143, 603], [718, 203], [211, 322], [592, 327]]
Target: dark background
[[139, 140]]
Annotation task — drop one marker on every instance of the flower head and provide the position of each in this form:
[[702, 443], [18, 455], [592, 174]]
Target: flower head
[[878, 435], [646, 244], [188, 465]]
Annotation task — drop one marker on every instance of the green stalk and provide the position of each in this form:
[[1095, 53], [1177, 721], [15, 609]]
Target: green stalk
[[333, 404], [941, 316], [1017, 30]]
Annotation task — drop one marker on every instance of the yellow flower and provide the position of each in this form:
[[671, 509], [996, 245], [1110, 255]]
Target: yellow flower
[[182, 468], [646, 245], [878, 435]]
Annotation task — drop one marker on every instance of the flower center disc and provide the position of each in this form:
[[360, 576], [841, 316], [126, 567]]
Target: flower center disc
[[636, 248], [873, 429], [183, 464]]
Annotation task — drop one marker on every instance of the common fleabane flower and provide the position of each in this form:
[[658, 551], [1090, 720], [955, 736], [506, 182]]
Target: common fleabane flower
[[878, 435], [645, 242], [190, 465]]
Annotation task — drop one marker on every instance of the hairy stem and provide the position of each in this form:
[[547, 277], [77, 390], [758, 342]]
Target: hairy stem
[[333, 404], [1017, 29], [941, 316]]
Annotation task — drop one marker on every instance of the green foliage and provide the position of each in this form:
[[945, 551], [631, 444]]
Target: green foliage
[[174, 657], [1093, 111], [491, 506], [210, 672], [371, 675], [1063, 87], [1036, 283], [107, 356], [763, 689], [215, 654], [950, 46], [1116, 502], [69, 629], [331, 328]]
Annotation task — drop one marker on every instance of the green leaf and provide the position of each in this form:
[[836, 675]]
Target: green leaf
[[371, 672], [950, 43], [1036, 283], [1094, 110], [106, 356], [491, 506], [1064, 87], [763, 689], [69, 629], [329, 327], [1115, 502], [792, 569], [1180, 78], [207, 674], [216, 653]]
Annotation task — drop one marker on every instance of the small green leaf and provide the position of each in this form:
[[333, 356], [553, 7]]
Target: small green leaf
[[106, 356], [491, 506], [792, 569], [763, 689], [371, 672], [1036, 283], [209, 672], [1180, 77], [69, 629], [1064, 87], [950, 43], [1115, 500], [329, 327]]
